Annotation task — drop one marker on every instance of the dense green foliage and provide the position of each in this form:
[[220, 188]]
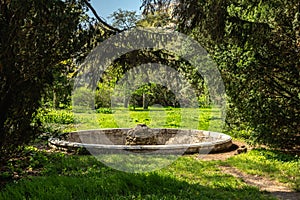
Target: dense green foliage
[[56, 116], [150, 93], [155, 94], [37, 37], [257, 47], [59, 94], [137, 90], [124, 19]]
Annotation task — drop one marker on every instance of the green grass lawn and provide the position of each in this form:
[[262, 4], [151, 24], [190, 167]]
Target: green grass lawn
[[62, 176], [83, 177], [270, 163], [190, 118]]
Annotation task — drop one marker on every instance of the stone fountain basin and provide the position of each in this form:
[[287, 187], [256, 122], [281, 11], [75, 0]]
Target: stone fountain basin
[[166, 139]]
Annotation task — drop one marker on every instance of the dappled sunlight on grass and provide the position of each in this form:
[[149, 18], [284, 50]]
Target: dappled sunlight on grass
[[83, 177], [186, 118], [282, 167]]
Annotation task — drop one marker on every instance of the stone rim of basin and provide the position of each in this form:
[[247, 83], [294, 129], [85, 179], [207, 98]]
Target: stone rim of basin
[[143, 138]]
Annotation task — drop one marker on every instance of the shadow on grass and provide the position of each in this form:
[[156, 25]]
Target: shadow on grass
[[122, 186], [84, 178]]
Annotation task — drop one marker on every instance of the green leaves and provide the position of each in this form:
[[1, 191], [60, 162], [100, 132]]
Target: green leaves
[[36, 36], [124, 19], [256, 44]]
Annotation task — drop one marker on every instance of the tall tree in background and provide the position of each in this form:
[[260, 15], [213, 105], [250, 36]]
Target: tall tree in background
[[257, 47], [124, 19]]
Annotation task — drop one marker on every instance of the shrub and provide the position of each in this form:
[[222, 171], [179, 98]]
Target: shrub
[[57, 117], [104, 110]]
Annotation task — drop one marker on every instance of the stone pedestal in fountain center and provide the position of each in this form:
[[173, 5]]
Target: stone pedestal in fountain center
[[141, 135]]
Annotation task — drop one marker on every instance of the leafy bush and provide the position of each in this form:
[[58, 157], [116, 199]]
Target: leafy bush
[[204, 101], [104, 110], [56, 116], [103, 96]]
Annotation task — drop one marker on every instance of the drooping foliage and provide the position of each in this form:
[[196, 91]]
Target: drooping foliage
[[257, 47], [36, 39], [154, 94]]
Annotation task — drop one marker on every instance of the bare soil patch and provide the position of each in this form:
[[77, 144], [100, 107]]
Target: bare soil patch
[[223, 155], [275, 188]]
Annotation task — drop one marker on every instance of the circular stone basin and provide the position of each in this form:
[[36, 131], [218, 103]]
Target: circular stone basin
[[144, 139]]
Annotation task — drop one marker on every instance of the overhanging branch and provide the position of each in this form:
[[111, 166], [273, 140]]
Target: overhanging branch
[[101, 22]]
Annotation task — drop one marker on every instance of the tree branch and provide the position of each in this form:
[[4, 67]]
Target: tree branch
[[101, 22]]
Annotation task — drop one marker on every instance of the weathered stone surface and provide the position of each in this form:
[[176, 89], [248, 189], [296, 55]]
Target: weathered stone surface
[[187, 138], [144, 139], [141, 135]]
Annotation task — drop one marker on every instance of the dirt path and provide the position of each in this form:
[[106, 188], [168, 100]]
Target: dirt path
[[276, 189], [225, 155]]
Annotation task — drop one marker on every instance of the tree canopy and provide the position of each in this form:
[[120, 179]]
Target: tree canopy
[[256, 45], [38, 38], [124, 19]]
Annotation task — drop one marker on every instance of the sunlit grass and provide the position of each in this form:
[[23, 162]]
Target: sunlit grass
[[83, 177], [273, 164], [185, 118], [64, 176]]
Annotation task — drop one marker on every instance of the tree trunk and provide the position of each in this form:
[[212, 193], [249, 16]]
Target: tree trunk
[[54, 100], [126, 101], [145, 103]]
